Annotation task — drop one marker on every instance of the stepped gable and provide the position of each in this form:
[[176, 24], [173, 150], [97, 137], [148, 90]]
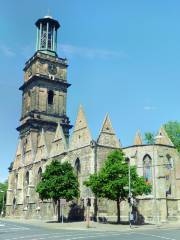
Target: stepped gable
[[81, 135], [138, 138], [42, 152], [59, 144], [107, 136], [163, 137]]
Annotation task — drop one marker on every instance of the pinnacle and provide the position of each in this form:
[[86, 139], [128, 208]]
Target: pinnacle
[[163, 138], [42, 139], [81, 121], [107, 125], [107, 136], [138, 138], [81, 135]]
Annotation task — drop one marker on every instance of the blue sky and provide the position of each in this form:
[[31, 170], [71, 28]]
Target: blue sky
[[124, 58]]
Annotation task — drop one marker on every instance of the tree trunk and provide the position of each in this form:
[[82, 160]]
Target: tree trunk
[[95, 208], [118, 210], [58, 210]]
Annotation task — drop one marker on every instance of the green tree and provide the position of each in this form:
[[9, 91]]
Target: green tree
[[58, 181], [173, 130], [3, 190], [111, 181], [149, 138]]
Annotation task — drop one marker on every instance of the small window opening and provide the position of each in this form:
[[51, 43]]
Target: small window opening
[[147, 168], [14, 203], [27, 178], [16, 178], [39, 173], [77, 167], [50, 97]]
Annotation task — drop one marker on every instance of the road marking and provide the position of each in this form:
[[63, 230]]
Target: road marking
[[12, 229], [157, 236], [84, 236], [64, 236], [41, 235], [97, 235]]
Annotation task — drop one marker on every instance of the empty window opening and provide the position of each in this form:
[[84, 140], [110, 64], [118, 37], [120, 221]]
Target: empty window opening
[[27, 178], [39, 174], [16, 179], [14, 203], [50, 97], [77, 167], [147, 168], [168, 173]]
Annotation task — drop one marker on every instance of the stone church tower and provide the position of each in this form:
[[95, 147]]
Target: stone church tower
[[44, 94], [44, 91]]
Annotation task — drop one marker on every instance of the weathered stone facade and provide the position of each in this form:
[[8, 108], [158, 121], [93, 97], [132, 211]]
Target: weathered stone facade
[[44, 135]]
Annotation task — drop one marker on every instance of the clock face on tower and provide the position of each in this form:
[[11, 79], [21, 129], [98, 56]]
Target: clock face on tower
[[52, 68]]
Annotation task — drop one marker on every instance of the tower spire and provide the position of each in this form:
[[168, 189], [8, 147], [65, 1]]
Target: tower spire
[[48, 12]]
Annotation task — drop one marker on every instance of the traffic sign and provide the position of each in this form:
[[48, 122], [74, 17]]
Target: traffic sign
[[62, 201]]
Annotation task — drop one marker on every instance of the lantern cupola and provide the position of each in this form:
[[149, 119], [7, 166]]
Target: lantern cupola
[[47, 35]]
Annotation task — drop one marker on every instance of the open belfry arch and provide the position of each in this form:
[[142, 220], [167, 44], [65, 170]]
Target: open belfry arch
[[44, 135]]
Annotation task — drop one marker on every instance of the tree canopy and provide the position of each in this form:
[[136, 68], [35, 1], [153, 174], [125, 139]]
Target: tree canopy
[[149, 138], [111, 181], [3, 190], [173, 130], [58, 181]]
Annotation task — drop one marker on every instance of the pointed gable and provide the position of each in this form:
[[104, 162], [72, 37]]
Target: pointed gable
[[163, 138], [81, 135], [18, 157], [28, 150], [19, 148], [42, 152], [107, 136], [138, 138], [42, 142], [59, 144]]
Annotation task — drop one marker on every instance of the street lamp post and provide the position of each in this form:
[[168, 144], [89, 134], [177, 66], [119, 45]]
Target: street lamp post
[[129, 177], [129, 189], [88, 205], [2, 210]]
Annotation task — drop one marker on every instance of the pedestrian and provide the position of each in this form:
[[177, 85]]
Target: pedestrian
[[131, 219]]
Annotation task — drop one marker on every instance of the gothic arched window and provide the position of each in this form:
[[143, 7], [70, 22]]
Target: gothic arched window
[[77, 167], [168, 173], [50, 97], [27, 178], [16, 179], [14, 203], [147, 168], [39, 174]]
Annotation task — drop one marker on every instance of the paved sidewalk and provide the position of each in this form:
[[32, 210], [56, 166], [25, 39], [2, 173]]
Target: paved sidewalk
[[93, 225]]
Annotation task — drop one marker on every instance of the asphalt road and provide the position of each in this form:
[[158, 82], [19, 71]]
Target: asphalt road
[[14, 231]]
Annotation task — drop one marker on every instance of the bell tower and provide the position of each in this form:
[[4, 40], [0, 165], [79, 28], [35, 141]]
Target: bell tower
[[44, 90]]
